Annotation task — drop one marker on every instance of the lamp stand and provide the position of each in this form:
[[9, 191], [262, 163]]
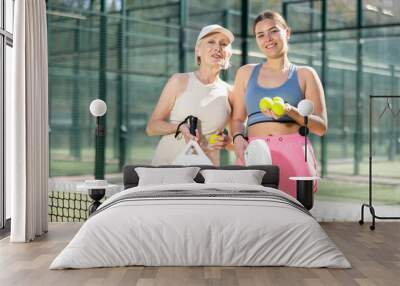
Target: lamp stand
[[99, 152], [305, 137], [303, 130], [96, 195]]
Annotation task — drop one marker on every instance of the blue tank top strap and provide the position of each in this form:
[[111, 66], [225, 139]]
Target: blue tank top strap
[[292, 71], [254, 76]]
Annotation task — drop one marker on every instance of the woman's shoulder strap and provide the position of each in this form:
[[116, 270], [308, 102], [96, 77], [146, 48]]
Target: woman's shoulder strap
[[254, 74]]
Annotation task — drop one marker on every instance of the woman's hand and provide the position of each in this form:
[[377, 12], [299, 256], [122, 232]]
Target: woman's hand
[[289, 111], [269, 113], [240, 145], [184, 129], [222, 141]]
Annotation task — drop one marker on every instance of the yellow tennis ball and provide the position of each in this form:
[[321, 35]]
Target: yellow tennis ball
[[278, 109], [214, 138], [265, 103], [278, 99]]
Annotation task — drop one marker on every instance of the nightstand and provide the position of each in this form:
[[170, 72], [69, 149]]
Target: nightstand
[[304, 188], [97, 189]]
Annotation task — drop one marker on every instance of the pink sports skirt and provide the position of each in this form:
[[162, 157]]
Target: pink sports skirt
[[287, 152]]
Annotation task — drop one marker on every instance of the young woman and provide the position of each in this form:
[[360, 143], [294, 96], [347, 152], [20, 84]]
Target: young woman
[[277, 76], [201, 94]]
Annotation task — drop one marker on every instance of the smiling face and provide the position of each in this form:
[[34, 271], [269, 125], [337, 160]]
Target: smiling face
[[272, 38], [214, 50]]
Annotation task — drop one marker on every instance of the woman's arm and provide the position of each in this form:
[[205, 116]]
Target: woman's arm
[[158, 124], [225, 141], [237, 100], [318, 121], [239, 110], [230, 146]]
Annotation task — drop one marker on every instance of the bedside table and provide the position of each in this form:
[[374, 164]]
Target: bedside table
[[97, 190], [304, 187]]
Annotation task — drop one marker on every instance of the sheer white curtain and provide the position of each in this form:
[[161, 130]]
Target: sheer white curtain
[[27, 123]]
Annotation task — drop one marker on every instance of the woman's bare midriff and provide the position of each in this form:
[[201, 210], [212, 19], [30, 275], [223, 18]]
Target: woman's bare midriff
[[272, 128]]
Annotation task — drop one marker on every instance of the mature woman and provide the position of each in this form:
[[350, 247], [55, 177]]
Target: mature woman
[[277, 77], [201, 94]]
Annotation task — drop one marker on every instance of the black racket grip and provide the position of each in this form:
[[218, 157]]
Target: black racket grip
[[193, 125]]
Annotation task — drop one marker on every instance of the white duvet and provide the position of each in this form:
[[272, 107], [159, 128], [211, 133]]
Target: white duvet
[[183, 231]]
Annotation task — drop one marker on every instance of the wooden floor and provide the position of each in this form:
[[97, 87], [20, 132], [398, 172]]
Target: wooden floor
[[374, 255]]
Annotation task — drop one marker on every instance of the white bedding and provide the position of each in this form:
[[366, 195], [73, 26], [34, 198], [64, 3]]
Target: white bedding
[[182, 231]]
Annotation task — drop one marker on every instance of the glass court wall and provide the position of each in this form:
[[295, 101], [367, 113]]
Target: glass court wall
[[122, 52]]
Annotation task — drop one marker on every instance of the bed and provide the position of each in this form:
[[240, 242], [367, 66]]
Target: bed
[[201, 224]]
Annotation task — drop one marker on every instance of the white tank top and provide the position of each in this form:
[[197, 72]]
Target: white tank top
[[210, 104]]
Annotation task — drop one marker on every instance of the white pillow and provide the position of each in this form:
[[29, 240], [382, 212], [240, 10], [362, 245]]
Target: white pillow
[[163, 176], [248, 177]]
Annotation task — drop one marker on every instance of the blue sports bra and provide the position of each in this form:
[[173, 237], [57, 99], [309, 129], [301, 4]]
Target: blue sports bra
[[289, 91]]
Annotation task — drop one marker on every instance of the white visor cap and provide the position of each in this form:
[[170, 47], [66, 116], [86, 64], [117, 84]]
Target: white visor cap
[[215, 29]]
